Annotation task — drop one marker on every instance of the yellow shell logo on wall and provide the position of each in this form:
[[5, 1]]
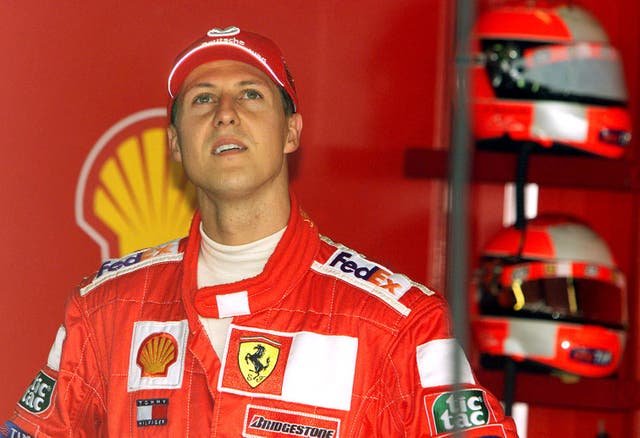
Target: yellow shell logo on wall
[[130, 194]]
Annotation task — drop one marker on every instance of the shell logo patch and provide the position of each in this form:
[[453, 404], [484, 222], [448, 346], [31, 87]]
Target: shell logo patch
[[156, 354], [130, 194], [257, 358]]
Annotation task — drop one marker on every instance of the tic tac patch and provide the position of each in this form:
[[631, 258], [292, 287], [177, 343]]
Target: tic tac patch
[[11, 430], [157, 355], [265, 422], [37, 397], [457, 410], [300, 367], [152, 412]]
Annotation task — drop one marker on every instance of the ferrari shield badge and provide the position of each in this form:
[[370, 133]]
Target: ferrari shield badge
[[257, 358]]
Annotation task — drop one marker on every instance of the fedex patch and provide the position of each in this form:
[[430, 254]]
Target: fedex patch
[[357, 267], [113, 267], [264, 422]]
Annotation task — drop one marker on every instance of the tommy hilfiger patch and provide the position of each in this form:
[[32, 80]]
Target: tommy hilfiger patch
[[152, 412], [264, 422]]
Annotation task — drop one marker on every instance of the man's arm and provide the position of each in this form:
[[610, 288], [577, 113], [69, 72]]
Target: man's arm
[[65, 397], [423, 393]]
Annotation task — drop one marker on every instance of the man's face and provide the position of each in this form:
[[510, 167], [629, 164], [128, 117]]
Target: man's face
[[231, 133]]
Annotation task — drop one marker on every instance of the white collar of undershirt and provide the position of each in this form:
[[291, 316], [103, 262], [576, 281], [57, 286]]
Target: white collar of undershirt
[[221, 264]]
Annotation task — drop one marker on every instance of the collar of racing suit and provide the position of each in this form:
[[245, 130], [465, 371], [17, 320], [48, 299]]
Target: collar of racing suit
[[291, 259]]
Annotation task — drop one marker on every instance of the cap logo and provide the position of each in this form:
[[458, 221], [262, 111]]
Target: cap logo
[[228, 31]]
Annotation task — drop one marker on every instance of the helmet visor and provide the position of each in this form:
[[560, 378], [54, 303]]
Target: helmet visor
[[589, 73], [588, 294]]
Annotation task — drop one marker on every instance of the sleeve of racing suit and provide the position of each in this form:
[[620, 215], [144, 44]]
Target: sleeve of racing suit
[[419, 394], [66, 396]]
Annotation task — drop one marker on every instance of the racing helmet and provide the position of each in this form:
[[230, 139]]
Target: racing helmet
[[547, 76], [552, 297]]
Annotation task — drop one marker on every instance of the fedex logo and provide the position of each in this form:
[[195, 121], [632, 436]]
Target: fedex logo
[[115, 264], [112, 267], [358, 267]]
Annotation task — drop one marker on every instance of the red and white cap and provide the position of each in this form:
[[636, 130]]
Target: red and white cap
[[234, 44]]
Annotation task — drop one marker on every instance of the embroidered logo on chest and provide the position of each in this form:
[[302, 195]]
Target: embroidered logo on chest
[[260, 361], [302, 367], [152, 412], [257, 358], [157, 355]]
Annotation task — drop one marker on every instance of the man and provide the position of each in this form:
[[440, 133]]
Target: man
[[254, 325]]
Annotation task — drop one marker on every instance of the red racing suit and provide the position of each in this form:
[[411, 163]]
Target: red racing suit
[[323, 343]]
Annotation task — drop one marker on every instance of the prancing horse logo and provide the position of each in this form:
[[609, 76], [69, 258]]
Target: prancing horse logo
[[257, 358]]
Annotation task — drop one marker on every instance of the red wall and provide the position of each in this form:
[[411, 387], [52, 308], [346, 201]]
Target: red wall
[[367, 80], [372, 79]]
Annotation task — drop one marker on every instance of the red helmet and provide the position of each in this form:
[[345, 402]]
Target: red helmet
[[552, 296], [548, 76]]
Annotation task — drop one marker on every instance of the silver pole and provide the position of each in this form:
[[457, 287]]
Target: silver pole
[[459, 171]]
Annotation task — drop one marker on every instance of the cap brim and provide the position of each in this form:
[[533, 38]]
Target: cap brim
[[210, 52]]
